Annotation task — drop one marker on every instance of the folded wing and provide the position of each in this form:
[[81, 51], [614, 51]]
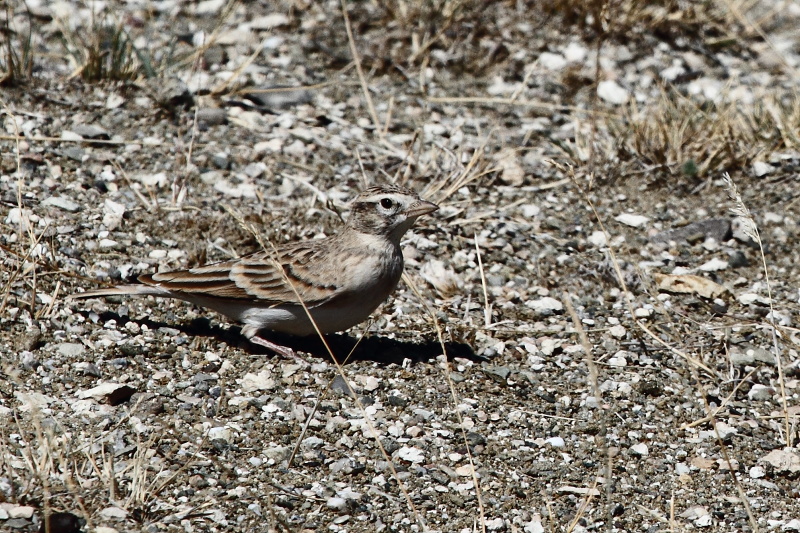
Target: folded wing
[[269, 278]]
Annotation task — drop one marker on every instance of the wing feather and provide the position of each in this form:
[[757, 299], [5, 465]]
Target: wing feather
[[258, 276]]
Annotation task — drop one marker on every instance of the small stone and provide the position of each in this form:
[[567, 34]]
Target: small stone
[[91, 131], [212, 116], [111, 393], [495, 524], [257, 382], [410, 454], [113, 512], [278, 97], [549, 346], [511, 171], [786, 461], [21, 511], [551, 61], [760, 392], [750, 298], [530, 210], [612, 92], [640, 449], [71, 349], [575, 52], [598, 238], [499, 374], [269, 22], [714, 265], [718, 229], [762, 169], [545, 306], [619, 359], [618, 331], [62, 202], [555, 442], [371, 383], [629, 219]]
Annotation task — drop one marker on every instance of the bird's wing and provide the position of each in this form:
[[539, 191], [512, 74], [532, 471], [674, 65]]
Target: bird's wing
[[259, 276]]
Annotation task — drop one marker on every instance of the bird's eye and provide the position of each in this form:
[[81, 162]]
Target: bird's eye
[[387, 203]]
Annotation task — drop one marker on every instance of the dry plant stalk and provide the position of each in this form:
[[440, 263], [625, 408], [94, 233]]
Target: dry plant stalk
[[750, 229]]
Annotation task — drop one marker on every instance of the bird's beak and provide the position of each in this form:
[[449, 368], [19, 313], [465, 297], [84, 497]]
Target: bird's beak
[[421, 208]]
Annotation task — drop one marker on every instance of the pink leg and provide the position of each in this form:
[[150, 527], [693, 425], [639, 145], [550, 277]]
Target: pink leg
[[284, 351]]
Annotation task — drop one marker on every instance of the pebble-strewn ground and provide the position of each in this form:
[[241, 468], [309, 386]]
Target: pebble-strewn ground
[[578, 157]]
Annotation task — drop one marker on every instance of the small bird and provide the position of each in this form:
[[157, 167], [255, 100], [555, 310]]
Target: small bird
[[340, 280]]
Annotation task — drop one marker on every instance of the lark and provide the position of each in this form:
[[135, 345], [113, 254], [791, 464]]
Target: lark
[[337, 281]]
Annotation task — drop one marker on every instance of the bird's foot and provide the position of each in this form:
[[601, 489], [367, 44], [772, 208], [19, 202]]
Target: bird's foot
[[279, 349]]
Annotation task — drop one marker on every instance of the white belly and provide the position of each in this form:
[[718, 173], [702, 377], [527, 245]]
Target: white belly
[[339, 314]]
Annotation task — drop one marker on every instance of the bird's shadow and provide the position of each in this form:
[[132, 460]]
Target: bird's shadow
[[373, 348]]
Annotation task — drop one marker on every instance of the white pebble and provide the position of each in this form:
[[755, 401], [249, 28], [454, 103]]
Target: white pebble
[[629, 219], [714, 265], [762, 169], [611, 92], [640, 449]]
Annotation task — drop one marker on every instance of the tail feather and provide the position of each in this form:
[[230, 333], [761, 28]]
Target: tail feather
[[122, 290]]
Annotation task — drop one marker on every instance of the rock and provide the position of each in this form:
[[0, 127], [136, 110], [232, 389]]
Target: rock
[[786, 461], [410, 454], [611, 92], [113, 512], [441, 277], [689, 284], [618, 331], [760, 392], [555, 442], [762, 169], [511, 171], [551, 61], [750, 298], [278, 97], [21, 511], [91, 131], [640, 449], [714, 265], [718, 229], [212, 116], [545, 306], [619, 359], [629, 219], [62, 202], [748, 354], [530, 211], [598, 238], [110, 393], [269, 22], [257, 382], [71, 349]]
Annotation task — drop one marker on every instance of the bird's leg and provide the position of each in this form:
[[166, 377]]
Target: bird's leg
[[279, 349]]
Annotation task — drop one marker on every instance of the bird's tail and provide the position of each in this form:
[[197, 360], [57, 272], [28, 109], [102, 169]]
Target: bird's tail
[[121, 290]]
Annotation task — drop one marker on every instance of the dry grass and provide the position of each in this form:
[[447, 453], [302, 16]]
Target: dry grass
[[676, 137], [16, 48], [629, 19]]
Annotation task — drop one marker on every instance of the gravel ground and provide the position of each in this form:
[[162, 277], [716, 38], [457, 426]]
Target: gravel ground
[[616, 357]]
